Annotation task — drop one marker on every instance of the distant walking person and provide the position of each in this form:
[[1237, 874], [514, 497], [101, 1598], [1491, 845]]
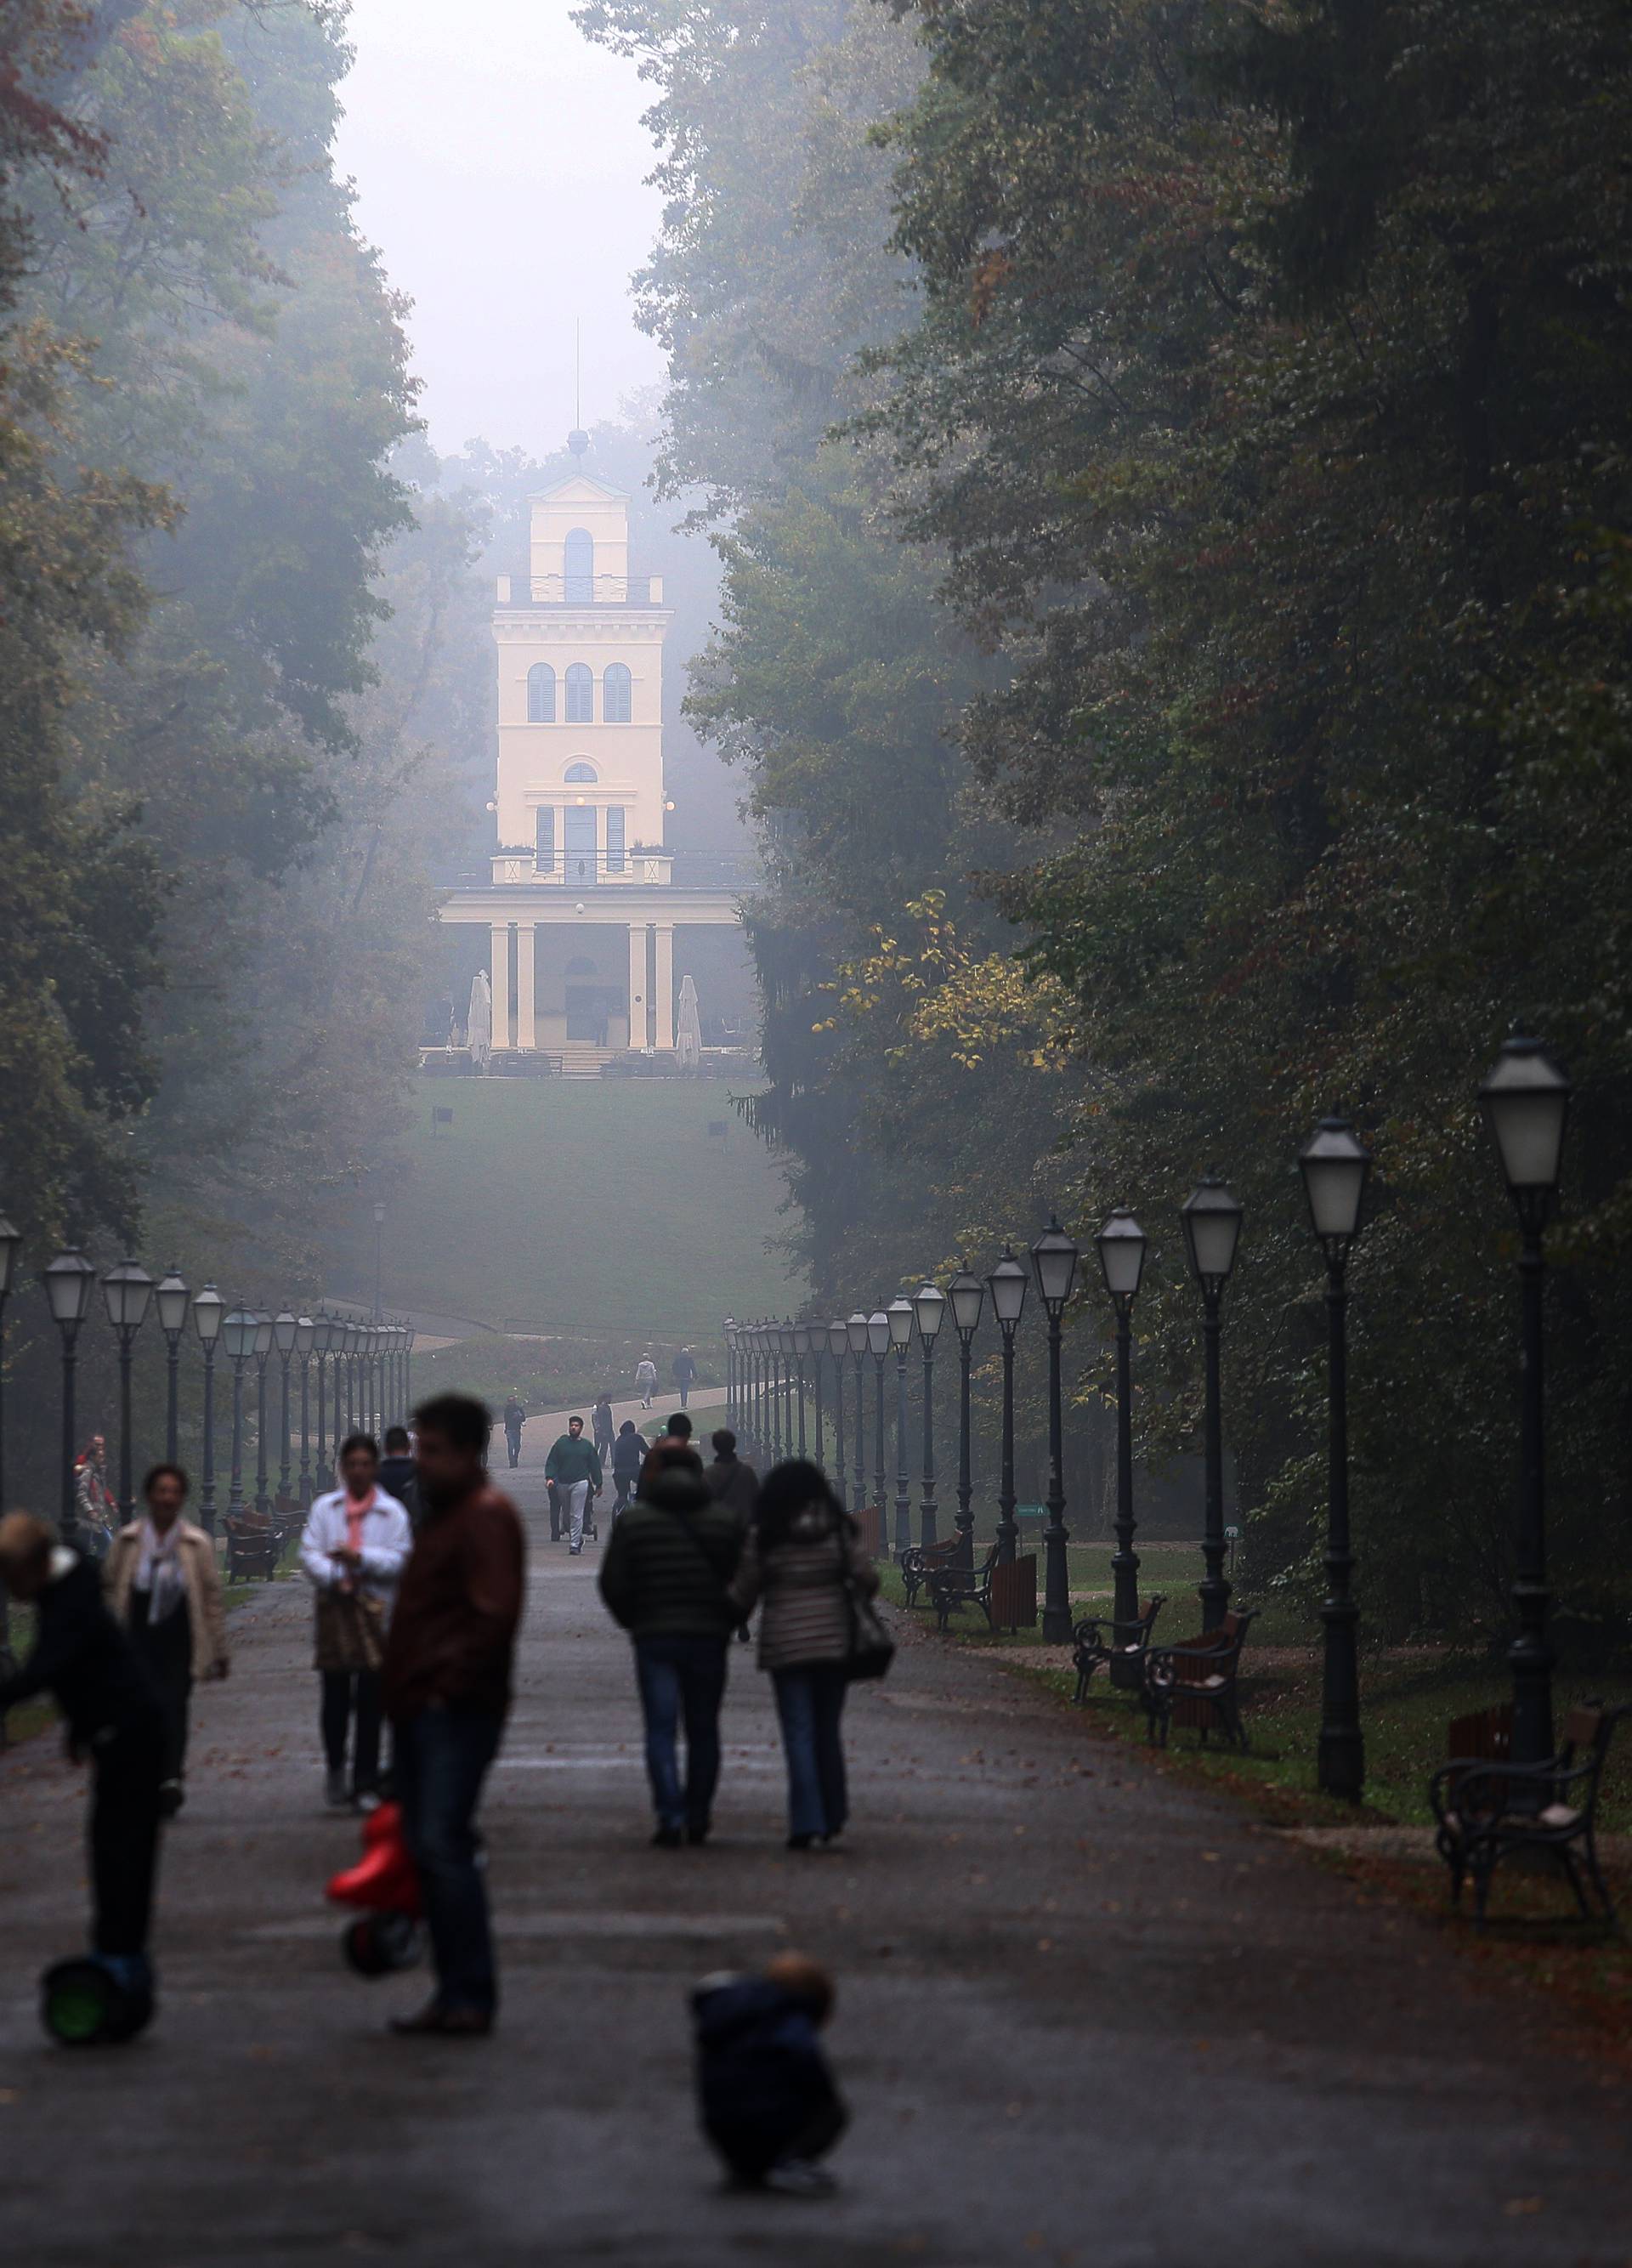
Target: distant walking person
[[163, 1589], [353, 1547], [96, 1513], [731, 1482], [628, 1453], [664, 1579], [81, 1656], [574, 1469], [604, 1426], [447, 1689], [515, 1418], [683, 1371], [645, 1381], [397, 1474], [804, 1558]]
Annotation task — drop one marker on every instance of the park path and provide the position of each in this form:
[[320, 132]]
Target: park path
[[1087, 2016]]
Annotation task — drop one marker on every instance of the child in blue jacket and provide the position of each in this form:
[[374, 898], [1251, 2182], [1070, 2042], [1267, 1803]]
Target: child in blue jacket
[[766, 2095]]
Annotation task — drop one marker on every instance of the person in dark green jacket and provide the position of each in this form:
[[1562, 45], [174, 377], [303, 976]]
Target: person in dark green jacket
[[663, 1577], [574, 1466]]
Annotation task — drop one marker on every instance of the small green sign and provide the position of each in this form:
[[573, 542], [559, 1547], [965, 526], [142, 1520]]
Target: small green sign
[[1232, 1535]]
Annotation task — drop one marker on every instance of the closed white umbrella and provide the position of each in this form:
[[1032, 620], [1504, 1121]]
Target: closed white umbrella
[[688, 1034]]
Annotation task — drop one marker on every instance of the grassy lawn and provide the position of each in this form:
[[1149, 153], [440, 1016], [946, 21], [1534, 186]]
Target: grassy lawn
[[592, 1208]]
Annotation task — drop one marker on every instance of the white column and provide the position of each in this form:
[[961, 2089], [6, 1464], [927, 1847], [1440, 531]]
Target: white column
[[665, 984], [526, 967], [637, 984], [501, 984]]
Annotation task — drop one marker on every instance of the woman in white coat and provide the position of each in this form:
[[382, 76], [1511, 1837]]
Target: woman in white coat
[[354, 1545]]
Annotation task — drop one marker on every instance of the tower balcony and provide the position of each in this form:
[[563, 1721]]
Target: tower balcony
[[580, 590], [583, 869]]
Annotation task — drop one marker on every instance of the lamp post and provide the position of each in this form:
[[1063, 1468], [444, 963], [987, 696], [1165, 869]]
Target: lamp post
[[856, 1332], [1210, 1216], [69, 1281], [1054, 1260], [407, 1369], [238, 1337], [772, 1390], [1526, 1105], [263, 1348], [305, 1339], [207, 1309], [127, 1291], [901, 1318], [838, 1346], [285, 1332], [815, 1345], [784, 1341], [929, 1308], [379, 1256], [1334, 1166], [968, 1297], [878, 1346], [801, 1348], [1007, 1284], [10, 1245], [728, 1333], [322, 1344], [171, 1300], [1121, 1248]]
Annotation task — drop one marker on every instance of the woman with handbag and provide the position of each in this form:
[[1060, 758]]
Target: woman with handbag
[[806, 1565], [356, 1541]]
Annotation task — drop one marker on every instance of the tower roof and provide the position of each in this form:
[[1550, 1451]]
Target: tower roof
[[579, 488]]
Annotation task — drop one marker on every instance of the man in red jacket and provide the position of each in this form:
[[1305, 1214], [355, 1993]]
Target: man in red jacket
[[447, 1687]]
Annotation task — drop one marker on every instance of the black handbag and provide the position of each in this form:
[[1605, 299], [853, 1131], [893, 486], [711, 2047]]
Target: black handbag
[[871, 1648]]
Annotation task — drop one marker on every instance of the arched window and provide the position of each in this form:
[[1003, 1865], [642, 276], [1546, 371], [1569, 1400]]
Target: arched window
[[580, 693], [541, 693], [580, 564], [617, 695], [581, 775]]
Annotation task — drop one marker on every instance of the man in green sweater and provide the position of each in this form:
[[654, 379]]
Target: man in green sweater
[[574, 1469], [663, 1577]]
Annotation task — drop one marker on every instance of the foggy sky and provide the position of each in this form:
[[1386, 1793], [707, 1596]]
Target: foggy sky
[[499, 162]]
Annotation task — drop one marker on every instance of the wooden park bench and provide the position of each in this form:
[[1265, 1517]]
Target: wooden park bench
[[1196, 1683], [254, 1545], [919, 1562], [1091, 1650], [1488, 1806], [953, 1586]]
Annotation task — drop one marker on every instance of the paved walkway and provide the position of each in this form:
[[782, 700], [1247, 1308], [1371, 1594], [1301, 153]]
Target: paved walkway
[[1086, 2015]]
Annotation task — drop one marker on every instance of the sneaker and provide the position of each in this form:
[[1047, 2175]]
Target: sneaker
[[366, 1799], [667, 1839], [800, 1842], [171, 1796], [697, 1832], [799, 2177], [335, 1792]]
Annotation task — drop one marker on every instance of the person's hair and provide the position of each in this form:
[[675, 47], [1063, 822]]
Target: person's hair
[[575, 1419], [805, 1980], [359, 1441], [462, 1421], [396, 1437], [725, 1441], [629, 1426], [25, 1542], [669, 1457], [156, 1473], [787, 1491], [680, 1427]]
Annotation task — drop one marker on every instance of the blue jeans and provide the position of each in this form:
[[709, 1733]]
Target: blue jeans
[[810, 1702], [442, 1758], [682, 1676]]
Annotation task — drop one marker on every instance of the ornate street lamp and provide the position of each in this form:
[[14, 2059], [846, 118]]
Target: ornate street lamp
[[1054, 1259], [11, 1246], [856, 1332], [207, 1309], [1526, 1105], [728, 1330], [801, 1348], [1121, 1247], [68, 1282], [878, 1346], [838, 1344], [785, 1342], [408, 1370], [900, 1318], [322, 1346], [968, 1297], [238, 1337], [127, 1293], [929, 1308], [1007, 1284], [1211, 1218], [171, 1300], [1335, 1166], [285, 1332], [263, 1348], [305, 1339]]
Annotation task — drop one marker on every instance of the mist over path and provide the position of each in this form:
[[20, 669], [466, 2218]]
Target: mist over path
[[1086, 2014]]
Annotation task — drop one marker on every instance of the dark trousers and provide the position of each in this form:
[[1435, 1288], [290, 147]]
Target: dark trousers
[[810, 1702], [346, 1693], [512, 1437], [129, 1765], [752, 2151], [681, 1678], [166, 1650], [442, 1758]]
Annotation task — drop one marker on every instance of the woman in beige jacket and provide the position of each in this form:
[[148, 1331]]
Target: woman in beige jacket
[[804, 1560], [163, 1587]]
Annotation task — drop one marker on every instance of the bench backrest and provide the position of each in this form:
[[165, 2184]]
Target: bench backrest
[[1485, 1734]]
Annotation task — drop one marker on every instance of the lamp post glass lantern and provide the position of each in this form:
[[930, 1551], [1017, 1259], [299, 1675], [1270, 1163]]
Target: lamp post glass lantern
[[1210, 1217], [1054, 1260], [208, 1310], [1007, 1284], [1122, 1246], [966, 1298], [930, 1310], [1335, 1166], [1526, 1105]]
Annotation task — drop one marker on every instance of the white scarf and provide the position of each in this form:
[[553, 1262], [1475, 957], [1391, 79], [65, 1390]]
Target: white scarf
[[159, 1570]]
